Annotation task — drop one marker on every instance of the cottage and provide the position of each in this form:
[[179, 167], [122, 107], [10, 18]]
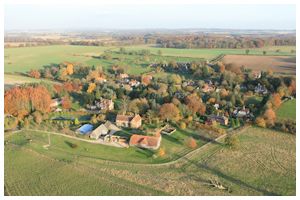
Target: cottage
[[129, 121], [147, 142], [220, 119]]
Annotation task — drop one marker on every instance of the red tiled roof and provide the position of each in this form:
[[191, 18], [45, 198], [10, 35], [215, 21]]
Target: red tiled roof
[[148, 141], [123, 118]]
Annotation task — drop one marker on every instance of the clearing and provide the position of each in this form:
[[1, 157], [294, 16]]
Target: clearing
[[287, 110]]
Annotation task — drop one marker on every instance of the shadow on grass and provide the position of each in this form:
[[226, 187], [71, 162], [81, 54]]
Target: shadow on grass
[[198, 136], [171, 139], [229, 178]]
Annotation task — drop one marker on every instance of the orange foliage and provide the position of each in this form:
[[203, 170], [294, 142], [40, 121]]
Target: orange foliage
[[35, 74], [66, 103], [20, 102], [146, 79], [92, 87], [70, 69], [169, 111], [191, 143], [292, 87], [270, 116], [276, 100], [195, 104]]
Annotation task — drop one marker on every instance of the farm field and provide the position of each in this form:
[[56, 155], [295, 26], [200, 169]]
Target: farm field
[[13, 79], [26, 58], [278, 64], [287, 110], [264, 164]]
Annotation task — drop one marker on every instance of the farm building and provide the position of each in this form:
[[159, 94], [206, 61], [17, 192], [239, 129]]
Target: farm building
[[85, 129], [104, 129], [147, 142], [129, 121]]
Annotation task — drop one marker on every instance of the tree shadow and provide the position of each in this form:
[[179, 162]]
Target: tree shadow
[[229, 178], [171, 139]]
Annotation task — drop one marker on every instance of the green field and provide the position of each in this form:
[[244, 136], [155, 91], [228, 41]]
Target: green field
[[287, 110], [264, 164], [26, 58]]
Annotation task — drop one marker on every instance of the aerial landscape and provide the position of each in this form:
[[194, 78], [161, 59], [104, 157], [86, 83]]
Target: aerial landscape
[[109, 108]]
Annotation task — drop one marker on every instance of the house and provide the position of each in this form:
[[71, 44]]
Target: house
[[242, 113], [208, 88], [136, 121], [105, 104], [220, 119], [144, 141], [123, 76], [260, 89], [217, 106], [107, 128], [129, 121], [55, 102], [134, 83], [256, 74], [123, 120], [85, 129]]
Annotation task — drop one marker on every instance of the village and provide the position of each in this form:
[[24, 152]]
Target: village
[[124, 110]]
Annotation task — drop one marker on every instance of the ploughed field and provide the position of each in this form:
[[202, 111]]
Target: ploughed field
[[264, 164], [285, 65]]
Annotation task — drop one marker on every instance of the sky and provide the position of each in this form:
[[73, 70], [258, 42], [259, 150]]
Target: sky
[[67, 17]]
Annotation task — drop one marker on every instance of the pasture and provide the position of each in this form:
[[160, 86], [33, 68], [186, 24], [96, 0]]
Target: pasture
[[264, 164], [285, 65], [287, 110], [26, 58]]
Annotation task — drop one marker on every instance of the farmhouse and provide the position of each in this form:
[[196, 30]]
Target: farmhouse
[[216, 118], [134, 83], [129, 121], [147, 142]]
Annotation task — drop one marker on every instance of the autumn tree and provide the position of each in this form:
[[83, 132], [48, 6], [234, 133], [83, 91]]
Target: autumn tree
[[161, 152], [195, 105], [66, 103], [191, 143], [37, 116], [276, 100], [221, 67], [270, 116], [91, 88], [169, 111], [292, 87], [146, 79], [70, 69], [260, 121], [34, 74]]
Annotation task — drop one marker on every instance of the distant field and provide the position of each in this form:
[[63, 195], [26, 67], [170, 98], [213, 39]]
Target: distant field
[[278, 64], [26, 58], [15, 79], [287, 110], [265, 164]]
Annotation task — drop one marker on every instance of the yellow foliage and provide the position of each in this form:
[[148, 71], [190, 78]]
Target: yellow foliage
[[92, 87]]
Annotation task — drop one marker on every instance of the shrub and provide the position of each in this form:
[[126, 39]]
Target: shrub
[[231, 141], [260, 122], [38, 118], [183, 125], [161, 152], [10, 123], [191, 143]]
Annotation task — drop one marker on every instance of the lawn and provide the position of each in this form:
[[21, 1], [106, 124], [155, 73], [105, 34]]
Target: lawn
[[287, 110], [264, 164], [26, 58]]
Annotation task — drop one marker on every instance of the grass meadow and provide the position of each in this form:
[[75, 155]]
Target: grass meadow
[[263, 164]]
